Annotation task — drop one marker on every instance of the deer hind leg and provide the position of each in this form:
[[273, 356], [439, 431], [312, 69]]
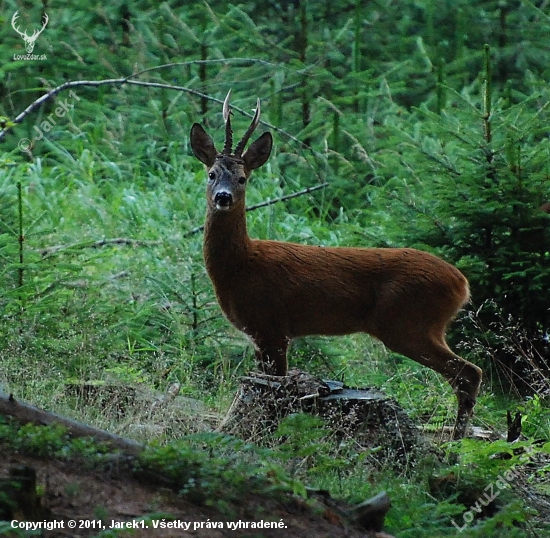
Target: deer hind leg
[[465, 377], [271, 355]]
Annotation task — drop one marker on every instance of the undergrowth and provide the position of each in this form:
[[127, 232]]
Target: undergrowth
[[433, 496]]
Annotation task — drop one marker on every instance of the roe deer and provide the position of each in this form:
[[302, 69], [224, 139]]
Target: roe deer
[[275, 291]]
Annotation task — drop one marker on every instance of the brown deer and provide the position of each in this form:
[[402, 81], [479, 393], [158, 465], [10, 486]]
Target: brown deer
[[276, 291]]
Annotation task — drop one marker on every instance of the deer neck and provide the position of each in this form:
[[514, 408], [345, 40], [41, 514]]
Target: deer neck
[[226, 242]]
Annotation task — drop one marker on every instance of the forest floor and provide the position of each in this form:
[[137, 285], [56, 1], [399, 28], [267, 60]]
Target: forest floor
[[103, 499], [71, 492]]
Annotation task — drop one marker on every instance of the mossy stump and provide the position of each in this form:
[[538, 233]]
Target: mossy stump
[[372, 419]]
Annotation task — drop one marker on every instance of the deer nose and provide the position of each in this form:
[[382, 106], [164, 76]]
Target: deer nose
[[223, 199]]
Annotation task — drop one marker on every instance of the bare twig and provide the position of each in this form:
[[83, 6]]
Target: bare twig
[[96, 83], [267, 203], [307, 190], [98, 244], [49, 251]]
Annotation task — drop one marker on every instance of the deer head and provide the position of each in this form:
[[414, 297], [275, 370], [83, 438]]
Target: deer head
[[229, 171], [29, 40]]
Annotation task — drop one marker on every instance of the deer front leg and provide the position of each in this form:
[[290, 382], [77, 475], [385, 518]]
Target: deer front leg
[[271, 356]]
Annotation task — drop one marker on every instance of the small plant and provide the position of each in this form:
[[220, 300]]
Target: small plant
[[72, 489], [536, 418], [211, 467], [304, 445], [101, 512]]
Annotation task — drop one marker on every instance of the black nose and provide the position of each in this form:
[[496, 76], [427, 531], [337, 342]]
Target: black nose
[[223, 199]]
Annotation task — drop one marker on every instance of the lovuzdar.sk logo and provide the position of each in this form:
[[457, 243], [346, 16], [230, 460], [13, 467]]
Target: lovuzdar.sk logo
[[30, 40]]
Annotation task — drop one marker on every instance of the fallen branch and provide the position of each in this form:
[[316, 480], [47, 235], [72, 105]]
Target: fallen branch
[[367, 516], [25, 414]]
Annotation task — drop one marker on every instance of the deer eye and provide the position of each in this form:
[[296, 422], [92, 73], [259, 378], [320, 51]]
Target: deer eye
[[211, 175], [242, 180]]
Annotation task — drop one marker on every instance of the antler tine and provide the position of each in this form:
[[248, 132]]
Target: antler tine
[[255, 120], [228, 131], [226, 109], [13, 19]]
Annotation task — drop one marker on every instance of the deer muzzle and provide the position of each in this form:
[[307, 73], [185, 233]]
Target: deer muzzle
[[223, 200]]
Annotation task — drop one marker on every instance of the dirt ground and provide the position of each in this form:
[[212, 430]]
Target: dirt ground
[[93, 498]]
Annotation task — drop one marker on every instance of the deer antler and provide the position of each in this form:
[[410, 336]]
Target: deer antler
[[255, 120], [13, 19], [228, 131], [46, 19], [29, 40], [36, 33]]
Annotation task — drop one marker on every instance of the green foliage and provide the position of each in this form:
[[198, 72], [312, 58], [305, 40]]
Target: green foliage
[[7, 530], [470, 183], [536, 418], [307, 446], [208, 468], [474, 452], [477, 200], [50, 440], [214, 469]]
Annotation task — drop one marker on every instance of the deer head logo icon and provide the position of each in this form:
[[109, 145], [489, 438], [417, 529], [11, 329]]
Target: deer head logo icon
[[29, 40]]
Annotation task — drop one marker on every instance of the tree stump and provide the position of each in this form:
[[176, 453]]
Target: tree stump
[[368, 416]]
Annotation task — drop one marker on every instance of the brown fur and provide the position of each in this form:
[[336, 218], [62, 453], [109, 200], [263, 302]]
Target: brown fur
[[276, 291]]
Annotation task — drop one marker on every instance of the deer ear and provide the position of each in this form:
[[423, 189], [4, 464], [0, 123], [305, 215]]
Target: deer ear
[[258, 152], [202, 145]]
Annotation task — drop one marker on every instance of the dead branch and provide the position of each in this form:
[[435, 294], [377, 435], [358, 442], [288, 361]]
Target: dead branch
[[129, 80], [307, 190], [268, 203], [368, 515], [28, 414], [98, 244]]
